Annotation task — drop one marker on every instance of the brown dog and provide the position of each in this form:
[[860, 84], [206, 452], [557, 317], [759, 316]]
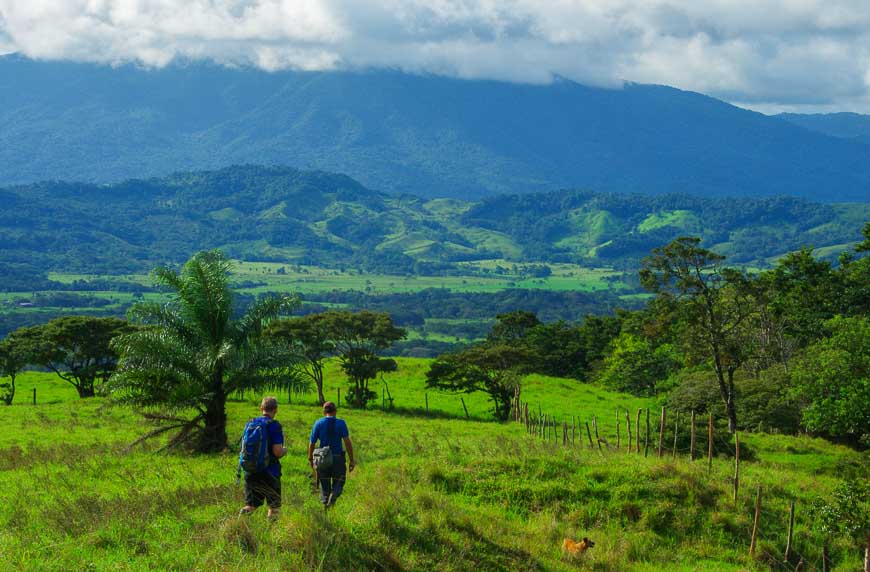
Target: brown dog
[[576, 548]]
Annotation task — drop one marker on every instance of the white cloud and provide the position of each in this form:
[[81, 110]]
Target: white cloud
[[763, 53]]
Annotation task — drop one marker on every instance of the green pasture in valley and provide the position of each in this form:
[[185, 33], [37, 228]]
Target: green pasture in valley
[[481, 276], [431, 492]]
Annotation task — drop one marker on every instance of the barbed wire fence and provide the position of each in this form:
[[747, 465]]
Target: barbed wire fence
[[636, 434]]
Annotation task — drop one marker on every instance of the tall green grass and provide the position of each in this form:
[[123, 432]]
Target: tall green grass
[[435, 492]]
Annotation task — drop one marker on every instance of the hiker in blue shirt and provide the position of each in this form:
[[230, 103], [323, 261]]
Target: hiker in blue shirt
[[266, 485], [331, 431]]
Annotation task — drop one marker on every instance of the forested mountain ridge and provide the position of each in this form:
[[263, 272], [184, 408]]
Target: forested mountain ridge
[[401, 133], [851, 126], [287, 215]]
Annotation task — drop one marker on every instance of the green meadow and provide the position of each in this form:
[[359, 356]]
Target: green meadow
[[479, 276], [432, 491]]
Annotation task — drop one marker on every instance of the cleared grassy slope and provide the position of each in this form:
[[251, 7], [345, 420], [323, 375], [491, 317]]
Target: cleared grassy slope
[[430, 493]]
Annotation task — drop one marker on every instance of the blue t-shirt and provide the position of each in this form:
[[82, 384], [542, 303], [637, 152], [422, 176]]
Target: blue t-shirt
[[276, 437], [320, 432]]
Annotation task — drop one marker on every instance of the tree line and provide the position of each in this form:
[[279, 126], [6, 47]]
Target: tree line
[[781, 349]]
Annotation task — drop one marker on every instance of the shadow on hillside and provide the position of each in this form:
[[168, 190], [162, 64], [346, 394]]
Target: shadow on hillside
[[458, 540], [431, 414]]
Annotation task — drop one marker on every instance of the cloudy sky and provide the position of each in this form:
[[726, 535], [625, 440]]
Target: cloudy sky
[[771, 55]]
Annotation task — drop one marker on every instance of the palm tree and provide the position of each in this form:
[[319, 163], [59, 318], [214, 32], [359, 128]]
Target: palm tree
[[191, 353]]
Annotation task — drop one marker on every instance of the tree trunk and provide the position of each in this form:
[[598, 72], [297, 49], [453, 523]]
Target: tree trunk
[[318, 381], [358, 397], [214, 436], [729, 403], [85, 389], [726, 390]]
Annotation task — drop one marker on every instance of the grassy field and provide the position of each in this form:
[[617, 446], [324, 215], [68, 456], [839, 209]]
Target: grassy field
[[432, 492], [482, 276]]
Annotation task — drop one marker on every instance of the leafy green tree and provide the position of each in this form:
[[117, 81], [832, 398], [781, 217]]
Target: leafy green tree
[[846, 512], [636, 366], [557, 349], [495, 369], [357, 339], [865, 245], [17, 350], [714, 301], [310, 338], [512, 326], [802, 293], [855, 276], [833, 381], [190, 354], [78, 350]]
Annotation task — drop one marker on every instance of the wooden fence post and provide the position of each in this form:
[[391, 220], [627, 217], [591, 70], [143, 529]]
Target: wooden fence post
[[34, 396], [338, 399], [790, 531], [646, 437], [662, 433], [867, 557], [462, 399], [755, 522], [564, 433], [426, 395], [637, 429], [617, 430], [573, 431], [826, 558], [628, 428], [526, 415], [736, 465], [589, 434], [595, 426], [692, 439], [710, 443], [676, 429]]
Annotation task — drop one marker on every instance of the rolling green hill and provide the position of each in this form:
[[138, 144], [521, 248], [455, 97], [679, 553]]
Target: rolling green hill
[[431, 492], [284, 215]]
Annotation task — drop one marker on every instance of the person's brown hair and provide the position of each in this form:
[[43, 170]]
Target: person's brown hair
[[269, 404], [329, 407]]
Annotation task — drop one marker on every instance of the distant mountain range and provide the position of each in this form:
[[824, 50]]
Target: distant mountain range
[[282, 214], [431, 136], [850, 126]]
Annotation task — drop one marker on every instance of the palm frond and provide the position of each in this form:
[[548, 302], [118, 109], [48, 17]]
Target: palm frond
[[207, 298], [261, 313], [187, 428]]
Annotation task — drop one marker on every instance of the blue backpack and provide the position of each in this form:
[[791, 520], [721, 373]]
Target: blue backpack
[[254, 454]]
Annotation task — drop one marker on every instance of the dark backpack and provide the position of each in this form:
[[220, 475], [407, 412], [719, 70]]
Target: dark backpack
[[254, 454]]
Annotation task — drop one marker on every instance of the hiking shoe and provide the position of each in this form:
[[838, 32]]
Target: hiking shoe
[[330, 502], [245, 512]]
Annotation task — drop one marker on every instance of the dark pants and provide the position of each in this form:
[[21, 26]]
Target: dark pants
[[261, 487], [332, 479]]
